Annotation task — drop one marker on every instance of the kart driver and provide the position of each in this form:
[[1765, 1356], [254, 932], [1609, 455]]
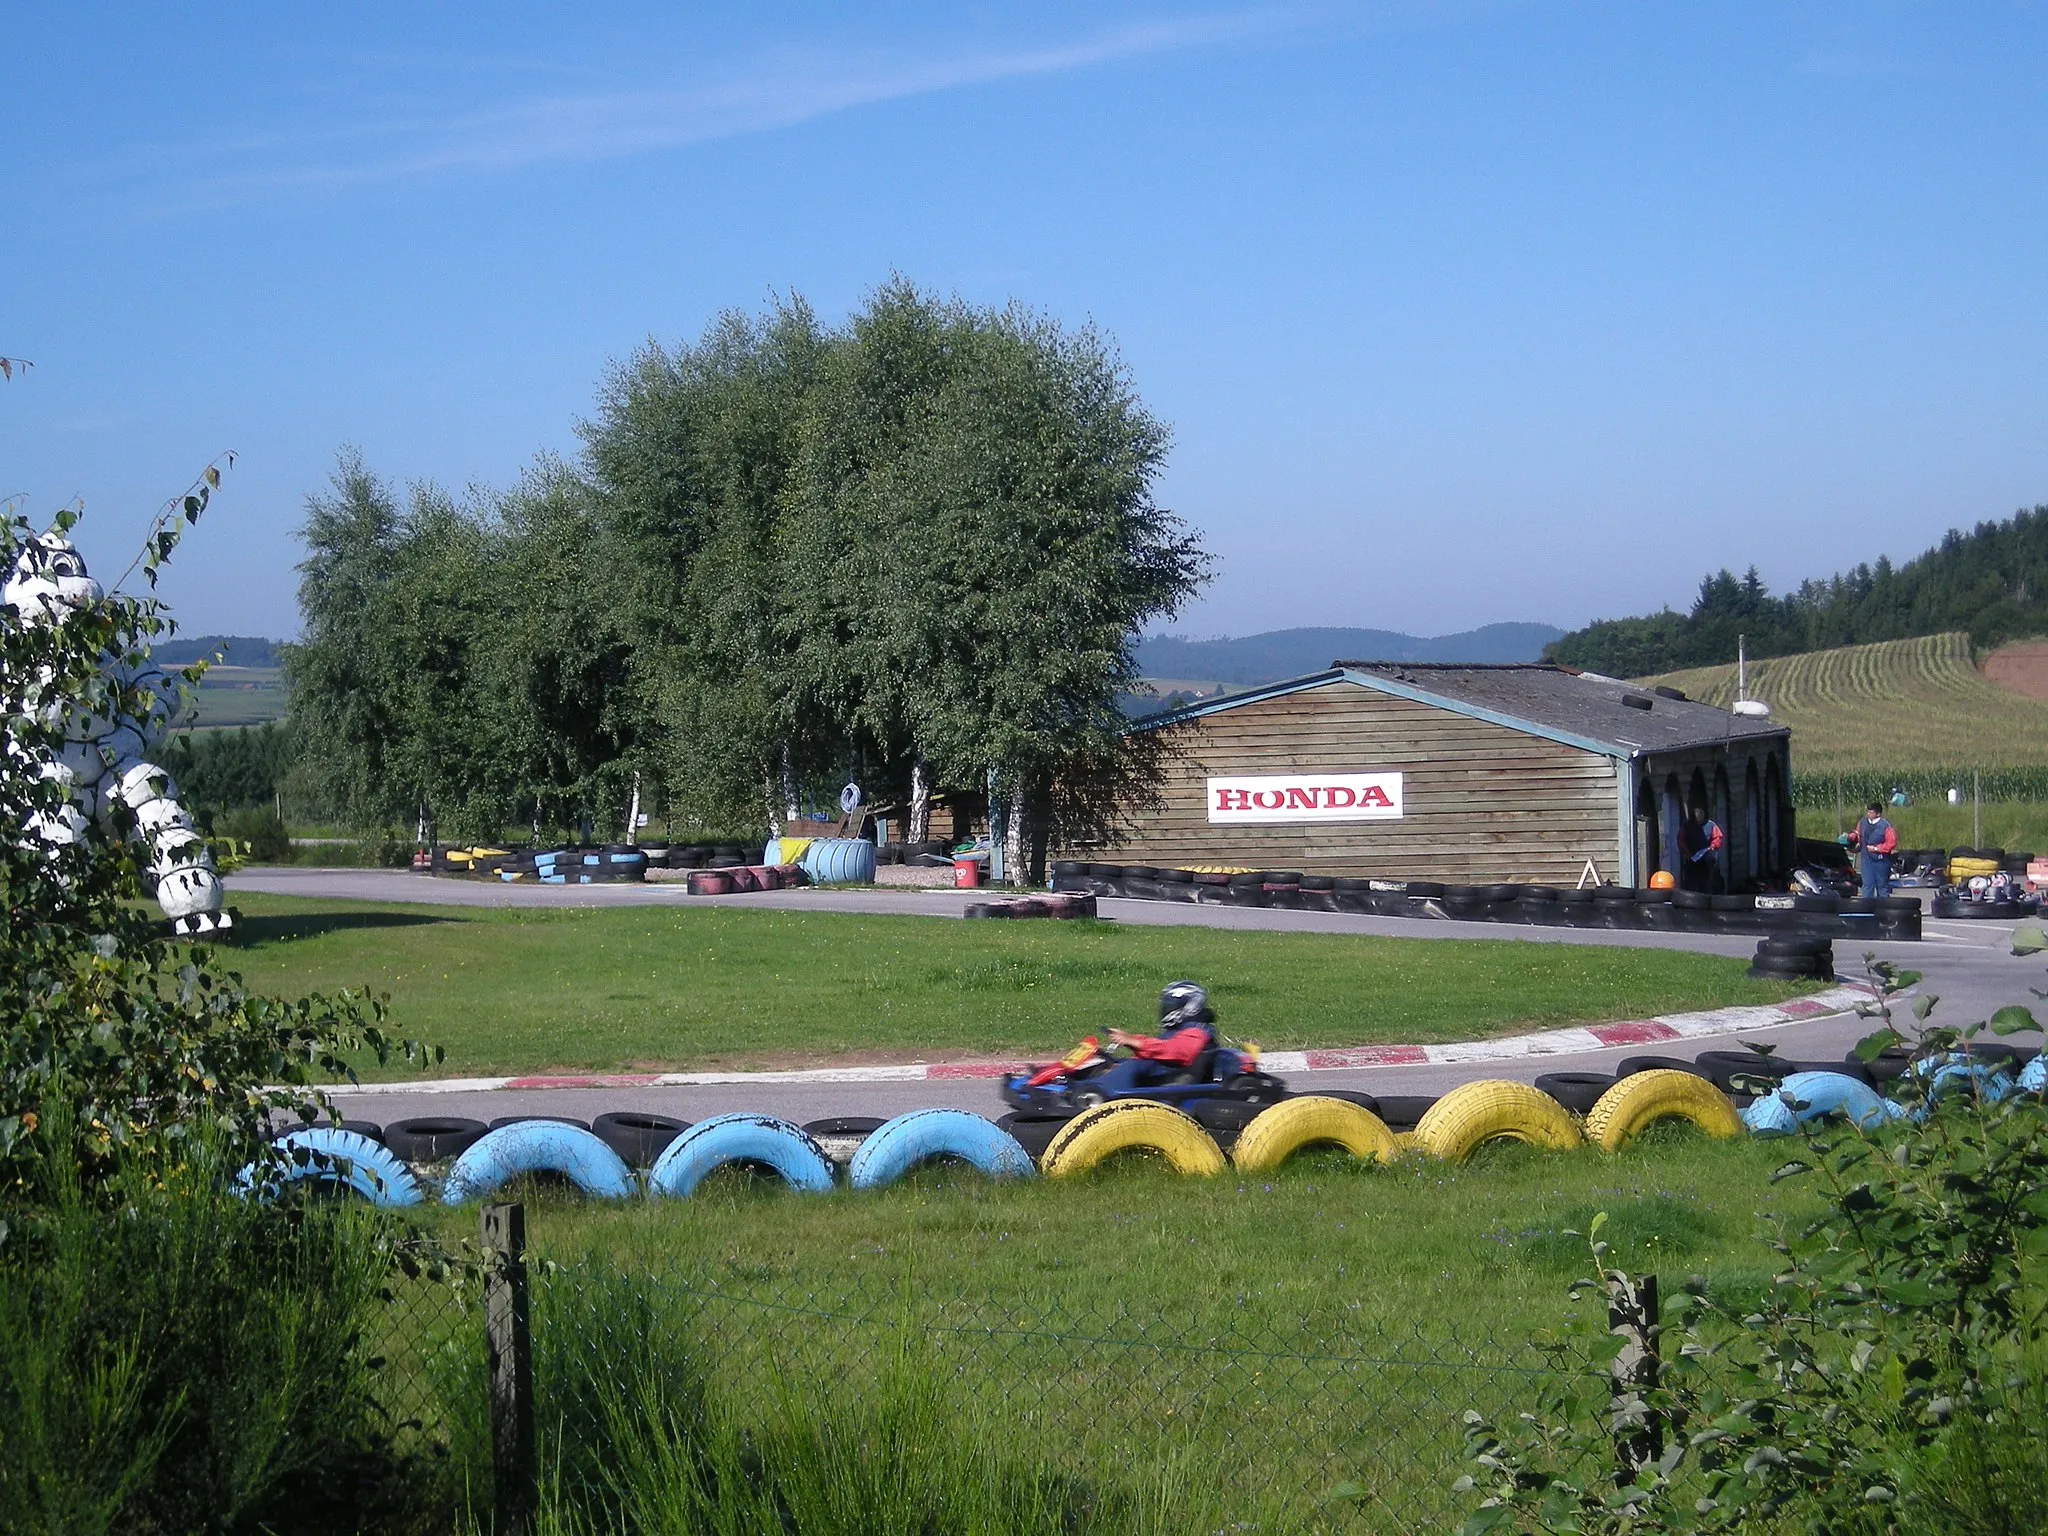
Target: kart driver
[[1185, 1021]]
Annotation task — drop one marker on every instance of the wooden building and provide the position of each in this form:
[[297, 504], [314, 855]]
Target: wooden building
[[1466, 774]]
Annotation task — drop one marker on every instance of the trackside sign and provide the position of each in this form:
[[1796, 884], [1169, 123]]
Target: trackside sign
[[1306, 797]]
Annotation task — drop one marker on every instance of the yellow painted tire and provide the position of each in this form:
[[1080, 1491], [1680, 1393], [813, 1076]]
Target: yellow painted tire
[[1127, 1125], [1311, 1121], [1468, 1117], [1404, 1143], [1643, 1097]]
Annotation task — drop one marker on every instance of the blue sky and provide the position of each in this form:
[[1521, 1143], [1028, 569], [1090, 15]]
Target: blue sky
[[1460, 312]]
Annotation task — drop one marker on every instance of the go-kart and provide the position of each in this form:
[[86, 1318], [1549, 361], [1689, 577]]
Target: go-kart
[[1223, 1087]]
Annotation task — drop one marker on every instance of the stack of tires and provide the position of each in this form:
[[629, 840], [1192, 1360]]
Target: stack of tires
[[554, 866], [581, 866], [1794, 957]]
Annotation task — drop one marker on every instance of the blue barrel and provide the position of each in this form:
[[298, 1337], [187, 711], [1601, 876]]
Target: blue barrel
[[840, 861]]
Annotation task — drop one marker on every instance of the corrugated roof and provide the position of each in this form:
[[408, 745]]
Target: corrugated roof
[[1579, 709], [1577, 703]]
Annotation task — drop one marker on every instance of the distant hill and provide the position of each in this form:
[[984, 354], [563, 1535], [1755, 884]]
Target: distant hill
[[1283, 653], [1894, 705], [1991, 582], [241, 650]]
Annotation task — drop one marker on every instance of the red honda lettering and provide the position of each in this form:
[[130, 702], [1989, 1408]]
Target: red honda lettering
[[1332, 803], [1269, 800], [1301, 799], [1233, 800], [1372, 794]]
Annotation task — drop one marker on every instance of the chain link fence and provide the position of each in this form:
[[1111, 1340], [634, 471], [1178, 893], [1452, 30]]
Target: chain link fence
[[1113, 1415]]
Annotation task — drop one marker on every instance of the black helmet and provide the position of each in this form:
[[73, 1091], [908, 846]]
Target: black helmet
[[1184, 1002]]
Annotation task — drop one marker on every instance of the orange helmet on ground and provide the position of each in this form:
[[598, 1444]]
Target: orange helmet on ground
[[1663, 881]]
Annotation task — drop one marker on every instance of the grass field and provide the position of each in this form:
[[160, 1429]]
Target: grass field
[[636, 987], [1325, 1323], [230, 696], [2018, 826], [1897, 704]]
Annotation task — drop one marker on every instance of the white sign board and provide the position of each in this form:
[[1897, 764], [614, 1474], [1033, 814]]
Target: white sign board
[[1306, 797]]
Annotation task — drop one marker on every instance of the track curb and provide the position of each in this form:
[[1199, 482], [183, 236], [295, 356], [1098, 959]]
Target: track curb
[[1551, 1042]]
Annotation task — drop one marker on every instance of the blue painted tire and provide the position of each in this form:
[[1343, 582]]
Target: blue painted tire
[[840, 861], [537, 1146], [325, 1155], [1959, 1073], [923, 1134], [1818, 1095], [2034, 1075], [710, 1145]]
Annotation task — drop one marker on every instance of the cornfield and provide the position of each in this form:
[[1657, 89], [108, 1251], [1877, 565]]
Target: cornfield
[[1896, 707]]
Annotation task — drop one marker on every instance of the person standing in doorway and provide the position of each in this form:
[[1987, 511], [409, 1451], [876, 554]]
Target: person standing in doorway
[[1875, 840], [1700, 843]]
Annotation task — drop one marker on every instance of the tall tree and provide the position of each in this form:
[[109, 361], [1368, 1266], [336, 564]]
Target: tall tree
[[689, 452]]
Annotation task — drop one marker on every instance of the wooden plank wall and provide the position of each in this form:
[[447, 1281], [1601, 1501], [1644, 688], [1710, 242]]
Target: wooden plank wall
[[1482, 803]]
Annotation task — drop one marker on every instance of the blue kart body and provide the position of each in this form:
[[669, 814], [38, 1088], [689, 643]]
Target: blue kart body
[[1218, 1074]]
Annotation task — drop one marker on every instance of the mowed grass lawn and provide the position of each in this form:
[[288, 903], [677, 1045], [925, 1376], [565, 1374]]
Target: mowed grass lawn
[[657, 987]]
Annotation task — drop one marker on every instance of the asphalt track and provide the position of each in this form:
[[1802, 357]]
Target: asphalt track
[[1968, 965]]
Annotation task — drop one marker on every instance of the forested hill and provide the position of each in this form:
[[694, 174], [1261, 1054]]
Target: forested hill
[[1284, 653], [1991, 581]]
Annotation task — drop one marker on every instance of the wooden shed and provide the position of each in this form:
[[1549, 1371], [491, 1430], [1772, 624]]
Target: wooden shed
[[1466, 774]]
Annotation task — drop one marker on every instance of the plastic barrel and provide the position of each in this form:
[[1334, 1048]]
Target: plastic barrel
[[840, 861]]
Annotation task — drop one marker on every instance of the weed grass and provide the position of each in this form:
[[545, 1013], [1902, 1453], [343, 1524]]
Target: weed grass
[[2017, 826], [506, 990], [1321, 1326]]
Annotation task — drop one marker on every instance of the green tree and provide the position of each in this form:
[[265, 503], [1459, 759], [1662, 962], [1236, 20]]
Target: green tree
[[120, 1049]]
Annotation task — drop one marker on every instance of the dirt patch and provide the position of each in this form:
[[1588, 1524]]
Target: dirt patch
[[2021, 668]]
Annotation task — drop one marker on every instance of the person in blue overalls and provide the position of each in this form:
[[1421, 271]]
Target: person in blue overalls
[[1875, 840]]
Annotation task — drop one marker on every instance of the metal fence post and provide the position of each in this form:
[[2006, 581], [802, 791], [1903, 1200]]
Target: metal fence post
[[1632, 1314], [509, 1356]]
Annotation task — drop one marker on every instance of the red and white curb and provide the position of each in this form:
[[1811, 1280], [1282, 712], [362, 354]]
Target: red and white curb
[[1550, 1042]]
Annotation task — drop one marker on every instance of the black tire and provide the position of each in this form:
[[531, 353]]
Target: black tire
[[1425, 888], [1401, 1111], [844, 1125], [432, 1138], [1576, 1091], [1788, 970], [369, 1128], [1034, 1133], [1364, 1101], [1500, 893], [636, 1135], [1696, 901], [1631, 1065], [1795, 944]]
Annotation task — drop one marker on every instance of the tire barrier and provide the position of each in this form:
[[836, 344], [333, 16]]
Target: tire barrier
[[550, 866], [1293, 1125], [639, 1138], [432, 1138], [840, 861], [327, 1155], [1808, 1096], [1576, 1091], [757, 1140], [1641, 1099], [924, 1134], [1131, 1125], [1599, 907], [1466, 1118], [1065, 905], [537, 1146]]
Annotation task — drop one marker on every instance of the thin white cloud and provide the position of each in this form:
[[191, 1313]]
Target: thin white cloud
[[586, 127]]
